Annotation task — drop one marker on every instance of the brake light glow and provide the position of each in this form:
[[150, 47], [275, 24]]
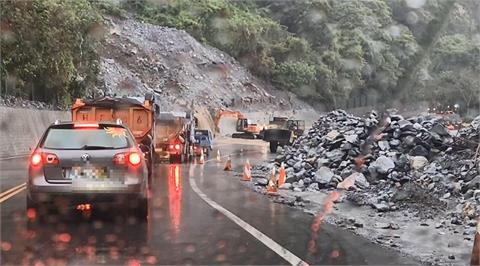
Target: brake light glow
[[85, 125], [171, 146], [134, 158], [36, 159], [177, 146]]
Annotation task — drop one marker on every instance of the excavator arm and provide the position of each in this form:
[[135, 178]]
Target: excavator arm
[[226, 113], [244, 128]]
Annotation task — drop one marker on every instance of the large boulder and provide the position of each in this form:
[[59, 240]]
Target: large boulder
[[359, 180], [418, 162], [324, 175], [476, 123], [419, 150], [474, 183], [383, 165], [383, 145], [439, 129], [332, 135], [405, 125]]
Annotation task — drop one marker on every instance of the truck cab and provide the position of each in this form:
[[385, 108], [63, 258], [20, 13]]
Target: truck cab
[[203, 142]]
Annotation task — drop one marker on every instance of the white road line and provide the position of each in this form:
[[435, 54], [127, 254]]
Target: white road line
[[270, 243]]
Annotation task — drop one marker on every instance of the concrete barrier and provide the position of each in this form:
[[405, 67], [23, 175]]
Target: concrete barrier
[[21, 129]]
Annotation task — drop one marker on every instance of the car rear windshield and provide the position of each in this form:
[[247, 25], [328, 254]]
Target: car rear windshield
[[87, 138]]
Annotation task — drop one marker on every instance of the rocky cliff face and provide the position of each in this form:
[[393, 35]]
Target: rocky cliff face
[[138, 57]]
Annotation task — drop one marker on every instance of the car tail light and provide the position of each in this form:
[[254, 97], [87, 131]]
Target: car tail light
[[171, 146], [50, 158], [120, 158], [36, 159], [177, 146], [45, 158], [134, 158]]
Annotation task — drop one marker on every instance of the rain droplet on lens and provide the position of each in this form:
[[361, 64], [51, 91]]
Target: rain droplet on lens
[[335, 254], [394, 31], [190, 248], [6, 246], [412, 18], [221, 244], [151, 260], [242, 249], [415, 3], [220, 258]]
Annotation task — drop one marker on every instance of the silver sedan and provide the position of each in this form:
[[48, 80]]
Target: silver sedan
[[87, 166]]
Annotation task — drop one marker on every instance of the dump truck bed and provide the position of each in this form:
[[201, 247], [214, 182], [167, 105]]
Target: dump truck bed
[[137, 115]]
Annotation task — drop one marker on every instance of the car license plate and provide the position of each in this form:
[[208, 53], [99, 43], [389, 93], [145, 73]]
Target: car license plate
[[95, 173], [93, 178]]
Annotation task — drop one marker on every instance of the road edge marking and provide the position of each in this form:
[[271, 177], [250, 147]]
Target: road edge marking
[[267, 241], [14, 157], [12, 192]]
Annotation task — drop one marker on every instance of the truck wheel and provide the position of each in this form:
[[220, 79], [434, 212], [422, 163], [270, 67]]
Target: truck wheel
[[273, 146]]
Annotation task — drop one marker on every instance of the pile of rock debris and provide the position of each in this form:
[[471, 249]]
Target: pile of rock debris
[[395, 162]]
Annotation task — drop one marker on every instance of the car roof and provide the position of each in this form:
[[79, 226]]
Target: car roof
[[71, 123]]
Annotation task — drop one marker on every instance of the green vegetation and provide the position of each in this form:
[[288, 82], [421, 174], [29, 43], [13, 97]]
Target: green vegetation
[[48, 48], [326, 50]]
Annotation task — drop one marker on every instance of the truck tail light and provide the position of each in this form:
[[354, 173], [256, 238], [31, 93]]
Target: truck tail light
[[175, 146]]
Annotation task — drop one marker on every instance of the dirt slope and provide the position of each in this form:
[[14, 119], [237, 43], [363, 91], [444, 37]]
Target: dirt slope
[[139, 57]]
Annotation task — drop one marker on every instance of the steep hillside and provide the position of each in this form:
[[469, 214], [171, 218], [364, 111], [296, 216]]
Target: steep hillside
[[345, 54], [139, 57]]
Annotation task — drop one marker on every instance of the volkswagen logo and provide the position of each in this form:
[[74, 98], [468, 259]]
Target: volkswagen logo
[[85, 158]]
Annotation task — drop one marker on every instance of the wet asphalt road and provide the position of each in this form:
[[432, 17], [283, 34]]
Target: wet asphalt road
[[182, 228]]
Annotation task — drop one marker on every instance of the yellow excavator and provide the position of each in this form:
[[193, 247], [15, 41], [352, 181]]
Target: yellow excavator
[[245, 129]]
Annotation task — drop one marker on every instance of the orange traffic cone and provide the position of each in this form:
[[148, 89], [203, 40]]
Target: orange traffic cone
[[282, 176], [228, 164], [201, 160], [247, 174], [272, 188], [219, 157], [475, 260]]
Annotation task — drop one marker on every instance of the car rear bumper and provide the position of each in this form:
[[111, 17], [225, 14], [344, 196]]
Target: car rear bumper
[[84, 197], [39, 190]]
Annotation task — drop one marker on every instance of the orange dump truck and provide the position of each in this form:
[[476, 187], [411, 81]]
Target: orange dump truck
[[138, 113]]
